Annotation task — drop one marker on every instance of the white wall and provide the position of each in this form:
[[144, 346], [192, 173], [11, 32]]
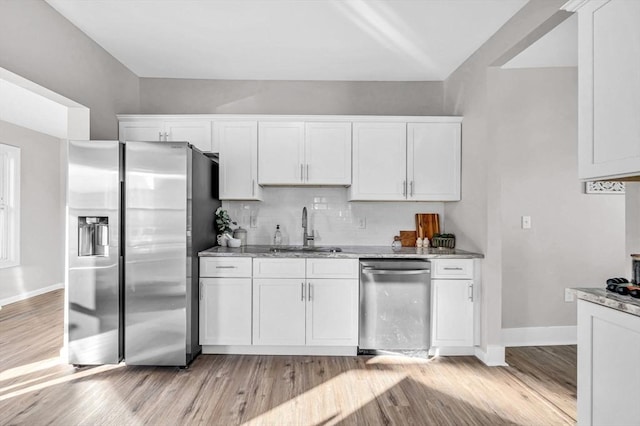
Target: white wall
[[39, 44], [335, 220], [576, 239], [42, 238]]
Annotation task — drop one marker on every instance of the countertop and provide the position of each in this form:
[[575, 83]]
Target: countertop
[[609, 299], [348, 252]]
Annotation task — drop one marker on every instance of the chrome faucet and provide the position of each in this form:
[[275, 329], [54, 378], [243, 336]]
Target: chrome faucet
[[306, 237]]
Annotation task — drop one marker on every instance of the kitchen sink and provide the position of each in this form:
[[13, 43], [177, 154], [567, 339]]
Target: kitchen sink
[[305, 249]]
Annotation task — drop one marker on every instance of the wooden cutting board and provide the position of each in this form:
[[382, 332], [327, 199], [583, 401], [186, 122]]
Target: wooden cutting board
[[427, 224], [408, 238]]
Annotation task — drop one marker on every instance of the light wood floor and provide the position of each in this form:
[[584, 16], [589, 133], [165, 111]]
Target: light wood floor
[[539, 387]]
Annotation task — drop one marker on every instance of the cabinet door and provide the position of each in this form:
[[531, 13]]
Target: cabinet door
[[197, 133], [280, 153], [609, 88], [238, 142], [225, 311], [332, 312], [379, 161], [141, 131], [279, 311], [451, 313], [327, 154], [433, 161]]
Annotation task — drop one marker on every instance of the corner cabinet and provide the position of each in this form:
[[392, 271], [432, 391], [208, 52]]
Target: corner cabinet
[[298, 153], [238, 158], [197, 132], [407, 161], [609, 88], [453, 295]]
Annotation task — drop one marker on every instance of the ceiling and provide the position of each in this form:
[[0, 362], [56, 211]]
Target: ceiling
[[361, 40]]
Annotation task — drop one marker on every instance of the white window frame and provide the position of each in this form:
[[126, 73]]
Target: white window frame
[[9, 206]]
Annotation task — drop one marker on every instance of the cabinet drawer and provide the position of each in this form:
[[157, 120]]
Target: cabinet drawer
[[278, 268], [225, 267], [452, 268], [332, 268]]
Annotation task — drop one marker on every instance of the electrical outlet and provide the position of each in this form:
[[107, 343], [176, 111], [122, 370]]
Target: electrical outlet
[[362, 223], [526, 222], [569, 295], [253, 221]]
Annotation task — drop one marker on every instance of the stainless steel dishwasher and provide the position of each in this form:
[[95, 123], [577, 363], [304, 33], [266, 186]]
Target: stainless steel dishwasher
[[395, 304]]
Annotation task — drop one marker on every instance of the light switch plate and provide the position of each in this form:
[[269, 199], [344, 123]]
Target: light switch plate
[[569, 295]]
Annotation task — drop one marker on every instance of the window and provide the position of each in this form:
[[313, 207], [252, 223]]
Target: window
[[9, 206]]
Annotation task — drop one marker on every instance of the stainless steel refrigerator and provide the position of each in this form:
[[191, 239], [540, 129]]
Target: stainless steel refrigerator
[[139, 213]]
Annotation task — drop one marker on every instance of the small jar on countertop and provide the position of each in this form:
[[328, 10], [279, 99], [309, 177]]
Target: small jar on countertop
[[241, 234]]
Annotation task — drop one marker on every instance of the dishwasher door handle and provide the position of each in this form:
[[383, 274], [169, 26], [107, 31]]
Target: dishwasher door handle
[[395, 271]]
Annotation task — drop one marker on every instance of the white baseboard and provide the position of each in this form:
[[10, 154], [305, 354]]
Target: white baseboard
[[28, 294], [492, 357], [540, 336]]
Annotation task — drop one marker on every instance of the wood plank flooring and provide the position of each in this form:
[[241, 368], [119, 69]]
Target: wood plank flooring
[[538, 388]]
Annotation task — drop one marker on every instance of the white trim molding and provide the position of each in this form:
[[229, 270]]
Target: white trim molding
[[604, 187], [573, 5], [9, 206], [540, 336], [493, 356], [29, 294]]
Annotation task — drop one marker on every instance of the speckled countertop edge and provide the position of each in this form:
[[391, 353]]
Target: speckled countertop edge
[[348, 252], [609, 299]]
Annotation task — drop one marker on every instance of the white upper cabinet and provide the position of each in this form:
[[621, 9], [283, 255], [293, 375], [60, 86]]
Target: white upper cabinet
[[379, 161], [281, 153], [296, 153], [609, 88], [197, 132], [400, 161], [238, 143], [433, 161], [141, 131], [328, 153]]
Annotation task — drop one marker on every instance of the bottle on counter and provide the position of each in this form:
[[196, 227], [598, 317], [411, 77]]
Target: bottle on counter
[[277, 237], [419, 242], [396, 244]]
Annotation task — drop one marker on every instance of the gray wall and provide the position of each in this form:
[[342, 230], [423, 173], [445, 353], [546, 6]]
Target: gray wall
[[476, 220], [576, 239], [42, 242], [177, 96], [37, 43]]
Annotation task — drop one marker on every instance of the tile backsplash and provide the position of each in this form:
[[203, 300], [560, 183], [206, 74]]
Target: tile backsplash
[[334, 220]]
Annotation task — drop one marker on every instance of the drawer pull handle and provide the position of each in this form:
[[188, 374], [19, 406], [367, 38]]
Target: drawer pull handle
[[453, 269], [225, 267]]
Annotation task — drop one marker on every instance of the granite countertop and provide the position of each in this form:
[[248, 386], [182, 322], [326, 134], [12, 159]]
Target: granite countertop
[[348, 252], [609, 299]]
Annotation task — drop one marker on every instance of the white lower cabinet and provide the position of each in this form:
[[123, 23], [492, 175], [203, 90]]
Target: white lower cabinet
[[225, 301], [225, 311], [319, 307], [452, 313], [332, 312], [279, 305], [452, 306], [608, 350], [278, 311]]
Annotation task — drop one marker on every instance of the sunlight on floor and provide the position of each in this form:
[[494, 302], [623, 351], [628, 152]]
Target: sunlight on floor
[[29, 368], [67, 378], [332, 393]]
